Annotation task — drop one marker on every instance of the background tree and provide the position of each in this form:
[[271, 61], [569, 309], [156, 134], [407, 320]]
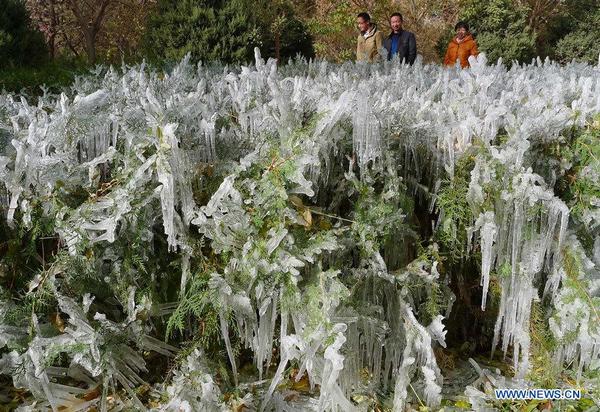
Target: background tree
[[582, 43], [501, 28], [540, 11], [333, 25], [90, 16], [541, 15], [124, 29], [283, 34], [20, 44], [109, 28], [225, 30], [208, 30], [49, 17]]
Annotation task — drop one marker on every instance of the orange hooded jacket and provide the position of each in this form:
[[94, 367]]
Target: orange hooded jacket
[[467, 47]]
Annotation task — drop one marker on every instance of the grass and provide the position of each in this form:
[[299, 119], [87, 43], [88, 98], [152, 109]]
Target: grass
[[31, 80]]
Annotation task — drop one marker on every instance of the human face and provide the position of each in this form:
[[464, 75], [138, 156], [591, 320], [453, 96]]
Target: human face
[[396, 24], [363, 25], [461, 33]]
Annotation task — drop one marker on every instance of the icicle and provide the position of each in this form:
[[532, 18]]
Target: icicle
[[208, 129], [166, 138], [225, 334], [402, 379], [289, 345], [488, 229], [365, 135], [185, 272]]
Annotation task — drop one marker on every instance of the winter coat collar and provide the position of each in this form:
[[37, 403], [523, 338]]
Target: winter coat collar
[[399, 33], [467, 38], [371, 32]]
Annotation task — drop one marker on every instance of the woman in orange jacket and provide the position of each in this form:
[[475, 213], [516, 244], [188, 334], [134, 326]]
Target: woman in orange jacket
[[461, 47]]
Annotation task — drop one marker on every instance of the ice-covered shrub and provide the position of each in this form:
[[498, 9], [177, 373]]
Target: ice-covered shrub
[[310, 220]]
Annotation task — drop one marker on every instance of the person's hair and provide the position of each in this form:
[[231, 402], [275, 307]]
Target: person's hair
[[397, 15], [364, 15], [461, 25]]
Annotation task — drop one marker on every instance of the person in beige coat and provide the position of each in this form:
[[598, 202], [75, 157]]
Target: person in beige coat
[[370, 39]]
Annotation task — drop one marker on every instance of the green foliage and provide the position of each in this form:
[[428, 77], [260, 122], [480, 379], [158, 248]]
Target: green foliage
[[580, 32], [280, 29], [31, 81], [25, 250], [501, 29], [321, 290], [337, 38], [197, 317], [457, 213], [578, 288], [20, 45], [378, 212], [195, 302], [544, 371], [582, 43], [585, 184], [579, 186], [209, 30], [227, 31], [437, 294]]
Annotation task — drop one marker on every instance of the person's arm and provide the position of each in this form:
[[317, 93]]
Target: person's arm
[[378, 45], [412, 49], [474, 51], [387, 45], [447, 58], [358, 57]]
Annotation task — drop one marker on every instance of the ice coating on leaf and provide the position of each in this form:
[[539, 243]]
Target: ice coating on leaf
[[436, 330], [92, 101], [193, 388], [331, 397], [166, 143], [571, 304], [418, 353], [366, 137]]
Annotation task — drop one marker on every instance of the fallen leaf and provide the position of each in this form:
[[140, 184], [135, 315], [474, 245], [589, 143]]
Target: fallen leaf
[[307, 216], [296, 201], [301, 385], [93, 394], [57, 322], [324, 224], [545, 406]]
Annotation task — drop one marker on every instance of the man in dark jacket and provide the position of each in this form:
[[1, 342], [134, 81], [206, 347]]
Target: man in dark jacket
[[400, 42]]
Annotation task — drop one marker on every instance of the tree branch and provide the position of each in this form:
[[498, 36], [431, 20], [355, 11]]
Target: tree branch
[[100, 16]]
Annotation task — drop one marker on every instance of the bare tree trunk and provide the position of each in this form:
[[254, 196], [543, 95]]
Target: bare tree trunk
[[90, 46], [90, 24], [52, 46], [70, 45], [277, 46], [541, 11], [54, 26]]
